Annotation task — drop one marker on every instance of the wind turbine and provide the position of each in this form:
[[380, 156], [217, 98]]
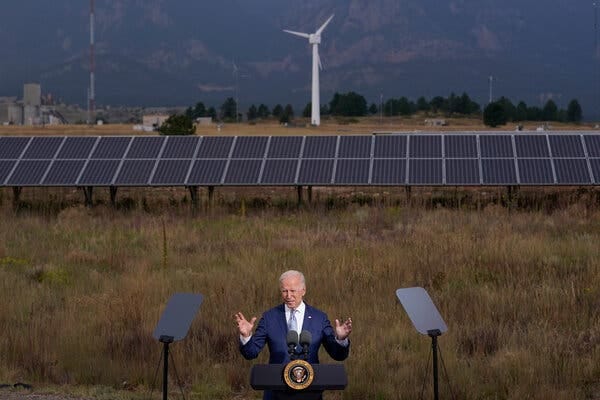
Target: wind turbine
[[315, 40]]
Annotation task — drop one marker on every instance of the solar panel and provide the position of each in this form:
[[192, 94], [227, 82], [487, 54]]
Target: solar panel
[[435, 159], [352, 171], [145, 147], [207, 172], [135, 172], [460, 146], [99, 172], [250, 147], [389, 172], [392, 146], [42, 148], [592, 143], [499, 171], [531, 146], [279, 171], [243, 172], [567, 146], [313, 172], [110, 147], [215, 147], [462, 172], [425, 172], [355, 147], [496, 146], [180, 147], [171, 172], [28, 172], [64, 172], [427, 146], [572, 171], [535, 171], [77, 147], [5, 168], [285, 147], [12, 147], [320, 147]]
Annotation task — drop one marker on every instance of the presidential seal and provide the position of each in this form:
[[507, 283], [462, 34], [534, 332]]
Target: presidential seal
[[298, 374]]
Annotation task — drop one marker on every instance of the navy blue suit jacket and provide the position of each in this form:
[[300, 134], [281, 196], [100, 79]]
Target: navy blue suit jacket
[[272, 330]]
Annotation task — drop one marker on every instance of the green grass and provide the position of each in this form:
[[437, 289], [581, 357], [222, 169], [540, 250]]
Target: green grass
[[81, 291]]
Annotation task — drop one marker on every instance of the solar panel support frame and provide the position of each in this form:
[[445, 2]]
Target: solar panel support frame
[[515, 159], [587, 159]]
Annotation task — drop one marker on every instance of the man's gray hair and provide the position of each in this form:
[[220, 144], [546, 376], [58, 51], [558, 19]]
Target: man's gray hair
[[291, 273]]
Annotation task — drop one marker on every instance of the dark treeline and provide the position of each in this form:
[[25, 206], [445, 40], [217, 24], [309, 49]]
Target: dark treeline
[[352, 104], [501, 111]]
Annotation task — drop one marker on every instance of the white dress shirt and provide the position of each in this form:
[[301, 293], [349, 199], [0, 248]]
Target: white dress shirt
[[299, 315]]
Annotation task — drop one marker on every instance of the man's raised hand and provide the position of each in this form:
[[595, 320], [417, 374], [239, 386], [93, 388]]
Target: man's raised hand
[[244, 326], [342, 330]]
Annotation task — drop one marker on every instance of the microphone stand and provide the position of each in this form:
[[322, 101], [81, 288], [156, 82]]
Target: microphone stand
[[292, 351], [292, 342], [305, 351]]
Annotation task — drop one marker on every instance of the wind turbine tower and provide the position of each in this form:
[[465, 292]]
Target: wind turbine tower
[[314, 39]]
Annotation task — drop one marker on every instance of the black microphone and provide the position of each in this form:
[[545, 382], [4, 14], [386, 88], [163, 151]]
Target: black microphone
[[305, 341], [292, 342]]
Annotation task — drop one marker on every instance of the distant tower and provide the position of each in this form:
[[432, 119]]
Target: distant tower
[[92, 89], [595, 4], [491, 80]]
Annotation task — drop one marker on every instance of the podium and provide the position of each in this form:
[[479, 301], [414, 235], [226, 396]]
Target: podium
[[271, 377]]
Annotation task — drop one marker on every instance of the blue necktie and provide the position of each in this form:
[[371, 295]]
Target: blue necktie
[[292, 323]]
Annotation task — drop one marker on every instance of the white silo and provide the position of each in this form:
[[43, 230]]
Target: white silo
[[32, 94]]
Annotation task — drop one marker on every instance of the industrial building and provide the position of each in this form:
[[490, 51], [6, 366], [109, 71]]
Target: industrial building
[[30, 110]]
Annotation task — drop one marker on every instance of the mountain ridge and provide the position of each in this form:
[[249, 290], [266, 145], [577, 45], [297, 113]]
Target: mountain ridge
[[177, 52]]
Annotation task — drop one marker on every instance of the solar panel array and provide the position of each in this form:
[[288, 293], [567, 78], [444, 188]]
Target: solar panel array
[[427, 159]]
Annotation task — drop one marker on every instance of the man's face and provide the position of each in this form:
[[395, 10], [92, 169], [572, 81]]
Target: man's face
[[292, 291]]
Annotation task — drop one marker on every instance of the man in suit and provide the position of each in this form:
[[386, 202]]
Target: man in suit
[[295, 314]]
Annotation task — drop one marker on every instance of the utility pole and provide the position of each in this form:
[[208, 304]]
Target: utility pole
[[596, 57], [92, 88], [235, 72], [381, 109]]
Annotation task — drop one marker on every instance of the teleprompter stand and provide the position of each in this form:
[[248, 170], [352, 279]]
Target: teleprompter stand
[[270, 377], [427, 320], [173, 325]]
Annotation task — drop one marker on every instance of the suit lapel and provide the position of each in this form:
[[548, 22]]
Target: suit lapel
[[308, 317], [282, 322]]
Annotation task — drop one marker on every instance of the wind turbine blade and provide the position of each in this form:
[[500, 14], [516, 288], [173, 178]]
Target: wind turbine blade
[[324, 25], [319, 60], [304, 35]]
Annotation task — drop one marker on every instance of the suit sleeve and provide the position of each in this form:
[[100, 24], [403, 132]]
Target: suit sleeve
[[334, 349], [256, 343]]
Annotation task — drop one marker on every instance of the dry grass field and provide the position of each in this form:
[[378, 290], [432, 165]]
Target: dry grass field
[[519, 287], [329, 126]]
